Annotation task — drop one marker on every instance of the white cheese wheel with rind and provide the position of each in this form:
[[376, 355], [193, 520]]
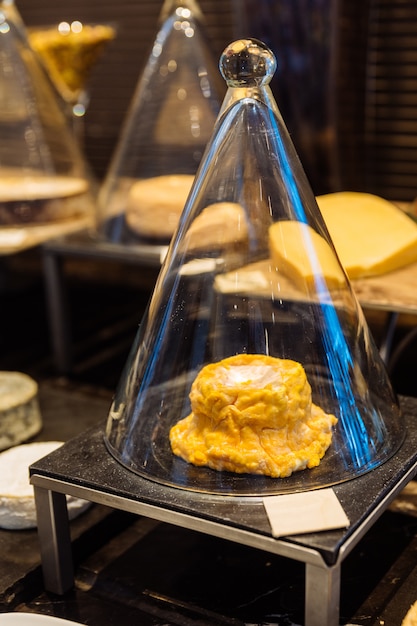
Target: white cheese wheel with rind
[[154, 205], [20, 416]]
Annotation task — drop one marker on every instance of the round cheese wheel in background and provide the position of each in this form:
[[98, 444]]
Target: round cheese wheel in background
[[154, 205], [20, 417]]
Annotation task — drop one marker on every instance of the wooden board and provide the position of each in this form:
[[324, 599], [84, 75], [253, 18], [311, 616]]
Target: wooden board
[[395, 291]]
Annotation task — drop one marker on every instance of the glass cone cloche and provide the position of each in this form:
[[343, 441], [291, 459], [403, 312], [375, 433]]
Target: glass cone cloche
[[253, 371], [42, 173], [169, 122]]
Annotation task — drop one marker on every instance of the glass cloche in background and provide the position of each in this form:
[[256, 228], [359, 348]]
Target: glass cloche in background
[[167, 127], [42, 173], [253, 371]]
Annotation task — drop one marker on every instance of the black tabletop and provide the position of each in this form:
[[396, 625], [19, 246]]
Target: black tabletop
[[135, 570]]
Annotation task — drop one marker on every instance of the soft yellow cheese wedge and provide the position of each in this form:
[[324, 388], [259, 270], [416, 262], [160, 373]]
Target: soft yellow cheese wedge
[[371, 235], [303, 255]]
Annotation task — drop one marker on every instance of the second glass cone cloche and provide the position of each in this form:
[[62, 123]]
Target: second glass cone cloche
[[254, 371], [165, 133]]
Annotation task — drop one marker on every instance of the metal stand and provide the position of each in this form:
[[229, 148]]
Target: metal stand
[[84, 468], [85, 246]]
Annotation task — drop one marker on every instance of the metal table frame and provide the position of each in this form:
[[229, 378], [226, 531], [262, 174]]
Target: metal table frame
[[82, 245], [84, 468]]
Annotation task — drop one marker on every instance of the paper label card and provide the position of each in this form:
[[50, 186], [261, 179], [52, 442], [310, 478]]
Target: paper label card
[[305, 512]]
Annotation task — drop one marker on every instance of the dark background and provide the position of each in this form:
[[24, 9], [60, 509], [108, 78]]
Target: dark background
[[346, 82]]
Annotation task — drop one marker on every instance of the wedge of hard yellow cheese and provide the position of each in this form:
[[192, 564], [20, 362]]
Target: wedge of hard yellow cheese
[[304, 256], [371, 235]]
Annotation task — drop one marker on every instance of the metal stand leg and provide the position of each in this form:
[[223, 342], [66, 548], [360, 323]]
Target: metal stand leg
[[57, 303], [55, 540], [322, 595]]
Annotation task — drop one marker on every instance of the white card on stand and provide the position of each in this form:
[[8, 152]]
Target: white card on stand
[[305, 512]]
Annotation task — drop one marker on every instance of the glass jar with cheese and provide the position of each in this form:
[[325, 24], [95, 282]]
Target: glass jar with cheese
[[43, 175], [254, 371], [169, 122]]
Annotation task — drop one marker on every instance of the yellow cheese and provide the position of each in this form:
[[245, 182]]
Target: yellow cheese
[[209, 229], [253, 413], [371, 235], [303, 255]]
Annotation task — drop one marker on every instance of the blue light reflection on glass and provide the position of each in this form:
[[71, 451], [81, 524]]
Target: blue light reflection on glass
[[340, 364], [338, 354]]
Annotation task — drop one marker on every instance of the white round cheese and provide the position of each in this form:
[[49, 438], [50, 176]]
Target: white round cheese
[[154, 205], [20, 417], [33, 619], [36, 199], [17, 502], [16, 188]]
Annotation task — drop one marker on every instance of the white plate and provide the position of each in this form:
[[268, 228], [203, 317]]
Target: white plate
[[32, 619], [17, 502]]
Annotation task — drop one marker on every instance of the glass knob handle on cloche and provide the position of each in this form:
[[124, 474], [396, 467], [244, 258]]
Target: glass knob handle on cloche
[[253, 371], [247, 63], [167, 127]]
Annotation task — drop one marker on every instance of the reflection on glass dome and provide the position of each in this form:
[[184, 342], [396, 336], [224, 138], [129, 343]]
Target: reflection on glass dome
[[169, 123], [253, 371], [43, 176]]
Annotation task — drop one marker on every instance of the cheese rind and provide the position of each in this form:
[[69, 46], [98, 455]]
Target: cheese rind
[[371, 235]]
